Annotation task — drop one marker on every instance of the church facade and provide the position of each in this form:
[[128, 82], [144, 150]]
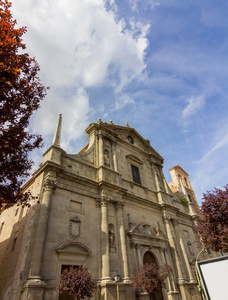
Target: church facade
[[108, 207]]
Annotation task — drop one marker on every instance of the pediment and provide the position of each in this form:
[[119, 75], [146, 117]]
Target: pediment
[[139, 142], [73, 248], [122, 133], [146, 230]]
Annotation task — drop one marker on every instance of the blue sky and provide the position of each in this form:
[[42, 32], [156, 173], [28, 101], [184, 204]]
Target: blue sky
[[160, 65]]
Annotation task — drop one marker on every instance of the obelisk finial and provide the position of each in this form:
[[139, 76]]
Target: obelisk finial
[[57, 135]]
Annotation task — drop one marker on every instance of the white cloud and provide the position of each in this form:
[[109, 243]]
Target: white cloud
[[76, 42], [79, 45], [74, 108], [122, 101], [194, 104], [211, 169], [221, 141], [147, 3]]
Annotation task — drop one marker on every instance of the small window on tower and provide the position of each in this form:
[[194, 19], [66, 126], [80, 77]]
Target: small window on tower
[[186, 182], [190, 198], [135, 174]]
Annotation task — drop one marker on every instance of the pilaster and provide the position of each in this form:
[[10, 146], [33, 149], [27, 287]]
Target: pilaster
[[34, 286], [167, 221], [177, 230], [101, 149], [120, 224], [105, 269]]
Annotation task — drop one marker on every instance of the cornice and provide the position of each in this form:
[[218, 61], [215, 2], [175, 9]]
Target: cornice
[[138, 199], [47, 166], [116, 188], [56, 147]]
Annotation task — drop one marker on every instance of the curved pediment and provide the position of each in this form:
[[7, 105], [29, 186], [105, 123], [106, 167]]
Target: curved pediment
[[73, 248]]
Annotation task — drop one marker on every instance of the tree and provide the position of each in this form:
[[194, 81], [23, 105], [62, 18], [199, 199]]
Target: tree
[[20, 94], [150, 278], [212, 228], [77, 282]]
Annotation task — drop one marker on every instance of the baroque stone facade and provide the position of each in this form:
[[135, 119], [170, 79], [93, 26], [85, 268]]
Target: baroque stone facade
[[108, 207]]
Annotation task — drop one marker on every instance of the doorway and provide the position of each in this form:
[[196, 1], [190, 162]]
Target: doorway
[[150, 259]]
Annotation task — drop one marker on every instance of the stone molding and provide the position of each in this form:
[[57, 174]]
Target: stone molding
[[119, 205], [49, 184]]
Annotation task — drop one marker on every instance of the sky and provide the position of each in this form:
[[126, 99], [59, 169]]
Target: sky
[[162, 66]]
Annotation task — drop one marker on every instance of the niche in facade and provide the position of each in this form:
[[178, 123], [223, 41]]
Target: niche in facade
[[112, 238]]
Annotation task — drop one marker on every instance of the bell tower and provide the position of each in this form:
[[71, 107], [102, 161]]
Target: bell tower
[[181, 186]]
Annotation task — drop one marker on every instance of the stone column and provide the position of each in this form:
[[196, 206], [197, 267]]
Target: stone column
[[180, 278], [105, 269], [139, 254], [155, 176], [123, 247], [158, 188], [177, 230], [101, 150], [172, 244], [167, 259], [41, 232], [133, 247], [114, 156], [97, 150], [164, 262], [164, 181]]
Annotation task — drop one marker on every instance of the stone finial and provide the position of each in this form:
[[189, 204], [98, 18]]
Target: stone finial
[[110, 122], [57, 135], [127, 124]]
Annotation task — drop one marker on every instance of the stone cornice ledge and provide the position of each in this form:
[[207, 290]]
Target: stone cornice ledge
[[46, 166], [129, 196]]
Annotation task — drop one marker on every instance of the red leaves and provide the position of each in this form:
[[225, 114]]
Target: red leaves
[[77, 282], [212, 228], [150, 279], [20, 95]]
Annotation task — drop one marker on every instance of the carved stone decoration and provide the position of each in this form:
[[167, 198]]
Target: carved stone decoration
[[74, 228], [49, 185], [119, 205], [159, 233], [146, 229], [112, 242], [111, 238], [106, 158], [98, 202]]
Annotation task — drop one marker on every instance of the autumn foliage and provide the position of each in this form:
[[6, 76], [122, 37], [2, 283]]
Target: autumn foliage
[[150, 278], [20, 95], [77, 282], [212, 228]]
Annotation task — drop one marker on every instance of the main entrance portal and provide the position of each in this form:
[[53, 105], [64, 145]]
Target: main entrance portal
[[150, 259]]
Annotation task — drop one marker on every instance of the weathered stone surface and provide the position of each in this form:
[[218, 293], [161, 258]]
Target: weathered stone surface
[[90, 211]]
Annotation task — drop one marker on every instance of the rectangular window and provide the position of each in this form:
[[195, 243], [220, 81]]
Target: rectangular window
[[135, 174], [190, 197]]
